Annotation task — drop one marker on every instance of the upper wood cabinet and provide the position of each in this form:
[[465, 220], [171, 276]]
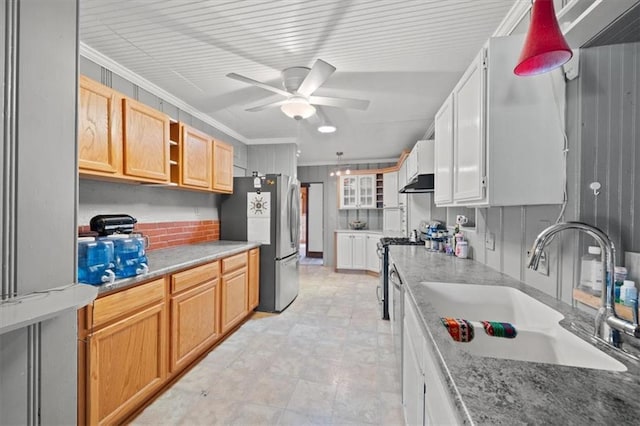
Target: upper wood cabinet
[[146, 141], [194, 163], [99, 128], [120, 138], [222, 167]]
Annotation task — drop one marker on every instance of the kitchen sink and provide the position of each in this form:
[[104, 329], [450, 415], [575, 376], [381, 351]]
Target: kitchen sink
[[540, 338]]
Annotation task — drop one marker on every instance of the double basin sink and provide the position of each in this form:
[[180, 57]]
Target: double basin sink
[[540, 338]]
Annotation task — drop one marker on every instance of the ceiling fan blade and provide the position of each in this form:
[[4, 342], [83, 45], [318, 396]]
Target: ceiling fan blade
[[339, 102], [267, 105], [320, 72], [257, 83]]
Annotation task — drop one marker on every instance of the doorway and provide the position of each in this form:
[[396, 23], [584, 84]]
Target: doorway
[[311, 223]]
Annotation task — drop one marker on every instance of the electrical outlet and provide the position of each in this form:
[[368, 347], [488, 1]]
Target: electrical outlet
[[543, 266], [490, 241]]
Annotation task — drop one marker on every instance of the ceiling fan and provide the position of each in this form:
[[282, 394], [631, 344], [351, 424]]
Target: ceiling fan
[[299, 85]]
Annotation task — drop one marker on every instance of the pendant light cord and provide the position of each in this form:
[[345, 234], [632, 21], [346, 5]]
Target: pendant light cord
[[565, 148]]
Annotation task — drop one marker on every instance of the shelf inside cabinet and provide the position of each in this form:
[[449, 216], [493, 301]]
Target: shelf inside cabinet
[[589, 299], [174, 161]]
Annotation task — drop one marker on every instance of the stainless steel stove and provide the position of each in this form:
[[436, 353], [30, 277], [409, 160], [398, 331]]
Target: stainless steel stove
[[383, 253]]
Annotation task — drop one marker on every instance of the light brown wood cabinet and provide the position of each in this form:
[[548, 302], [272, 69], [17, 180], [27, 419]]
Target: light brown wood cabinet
[[195, 313], [222, 167], [127, 357], [235, 290], [146, 141], [99, 129], [134, 342], [194, 162], [254, 278]]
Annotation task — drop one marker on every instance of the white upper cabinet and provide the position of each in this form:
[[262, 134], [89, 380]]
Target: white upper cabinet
[[504, 146], [412, 165], [402, 174], [390, 190], [357, 192], [444, 153]]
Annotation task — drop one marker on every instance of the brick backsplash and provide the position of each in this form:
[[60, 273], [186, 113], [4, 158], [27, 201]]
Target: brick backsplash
[[171, 234]]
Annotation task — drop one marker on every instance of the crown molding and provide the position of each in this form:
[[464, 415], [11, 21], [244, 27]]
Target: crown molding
[[347, 162], [513, 17], [102, 60]]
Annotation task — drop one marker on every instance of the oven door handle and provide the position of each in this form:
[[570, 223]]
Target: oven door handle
[[394, 277]]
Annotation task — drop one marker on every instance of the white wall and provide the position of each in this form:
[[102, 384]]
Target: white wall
[[276, 158], [145, 203], [315, 195]]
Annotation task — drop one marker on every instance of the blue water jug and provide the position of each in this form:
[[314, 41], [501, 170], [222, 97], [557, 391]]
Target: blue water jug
[[130, 256], [95, 261]]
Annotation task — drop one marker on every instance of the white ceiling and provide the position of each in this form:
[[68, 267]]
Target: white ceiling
[[403, 55]]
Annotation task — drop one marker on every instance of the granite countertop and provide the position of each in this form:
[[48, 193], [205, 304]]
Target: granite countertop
[[368, 231], [499, 391], [165, 261]]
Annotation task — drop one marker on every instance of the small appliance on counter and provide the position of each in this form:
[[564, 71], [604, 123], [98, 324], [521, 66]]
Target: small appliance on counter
[[129, 249]]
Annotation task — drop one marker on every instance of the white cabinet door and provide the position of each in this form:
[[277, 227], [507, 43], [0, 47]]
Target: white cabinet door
[[359, 251], [413, 387], [392, 220], [425, 160], [412, 164], [469, 141], [402, 175], [373, 261], [348, 192], [367, 191], [444, 153], [390, 189], [344, 258]]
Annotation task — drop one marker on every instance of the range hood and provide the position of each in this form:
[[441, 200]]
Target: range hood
[[419, 184]]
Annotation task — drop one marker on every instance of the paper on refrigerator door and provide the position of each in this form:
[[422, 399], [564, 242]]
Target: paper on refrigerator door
[[259, 217]]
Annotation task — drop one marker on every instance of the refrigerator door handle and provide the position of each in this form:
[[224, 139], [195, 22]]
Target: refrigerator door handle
[[294, 215]]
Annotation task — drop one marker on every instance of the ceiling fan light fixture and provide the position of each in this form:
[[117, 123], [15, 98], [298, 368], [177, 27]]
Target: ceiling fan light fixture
[[298, 108], [327, 128]]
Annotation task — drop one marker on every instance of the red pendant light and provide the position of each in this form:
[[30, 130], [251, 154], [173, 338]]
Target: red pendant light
[[545, 47]]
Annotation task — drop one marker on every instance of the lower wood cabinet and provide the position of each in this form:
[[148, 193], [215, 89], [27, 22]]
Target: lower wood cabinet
[[235, 290], [127, 362], [132, 343], [195, 314], [254, 278]]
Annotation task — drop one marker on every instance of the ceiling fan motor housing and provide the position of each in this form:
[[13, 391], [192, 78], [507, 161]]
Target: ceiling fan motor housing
[[292, 78]]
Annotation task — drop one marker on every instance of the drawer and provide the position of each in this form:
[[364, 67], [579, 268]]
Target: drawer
[[194, 276], [124, 302], [234, 262]]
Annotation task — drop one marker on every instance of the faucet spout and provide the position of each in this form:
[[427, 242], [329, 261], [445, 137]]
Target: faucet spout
[[606, 318]]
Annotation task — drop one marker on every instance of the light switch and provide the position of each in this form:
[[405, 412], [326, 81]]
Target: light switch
[[490, 240]]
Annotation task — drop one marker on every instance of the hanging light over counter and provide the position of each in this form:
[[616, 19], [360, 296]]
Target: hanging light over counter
[[545, 47], [338, 171]]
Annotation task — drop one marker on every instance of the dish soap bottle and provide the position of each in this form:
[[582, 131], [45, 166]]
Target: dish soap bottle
[[628, 293], [591, 270]]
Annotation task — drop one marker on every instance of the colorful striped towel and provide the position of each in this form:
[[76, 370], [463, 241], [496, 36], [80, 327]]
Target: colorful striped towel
[[499, 329], [459, 329]]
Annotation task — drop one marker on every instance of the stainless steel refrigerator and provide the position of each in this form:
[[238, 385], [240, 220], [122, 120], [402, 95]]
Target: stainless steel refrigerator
[[267, 209]]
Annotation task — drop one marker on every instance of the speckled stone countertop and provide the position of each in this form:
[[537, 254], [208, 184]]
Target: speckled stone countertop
[[165, 261], [368, 231], [498, 391]]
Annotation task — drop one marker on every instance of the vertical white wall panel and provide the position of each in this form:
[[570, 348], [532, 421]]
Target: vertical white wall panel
[[315, 211]]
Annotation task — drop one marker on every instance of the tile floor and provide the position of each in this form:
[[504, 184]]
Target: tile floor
[[326, 360]]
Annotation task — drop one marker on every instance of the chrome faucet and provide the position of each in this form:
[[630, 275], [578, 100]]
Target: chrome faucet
[[608, 325]]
